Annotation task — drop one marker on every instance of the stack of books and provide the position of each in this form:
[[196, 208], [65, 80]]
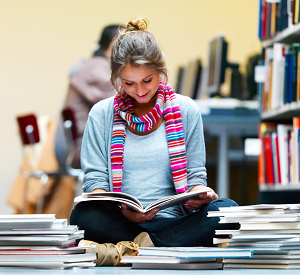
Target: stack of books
[[183, 258], [41, 241], [272, 231]]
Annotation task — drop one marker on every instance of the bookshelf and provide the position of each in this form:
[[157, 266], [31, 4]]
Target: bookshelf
[[279, 31], [289, 35], [285, 112]]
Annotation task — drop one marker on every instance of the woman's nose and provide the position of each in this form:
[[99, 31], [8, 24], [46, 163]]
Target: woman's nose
[[140, 89]]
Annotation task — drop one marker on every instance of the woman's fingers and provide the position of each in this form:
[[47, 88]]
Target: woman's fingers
[[132, 216], [138, 217], [151, 214]]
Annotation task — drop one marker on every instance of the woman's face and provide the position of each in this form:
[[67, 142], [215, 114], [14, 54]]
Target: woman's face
[[141, 83]]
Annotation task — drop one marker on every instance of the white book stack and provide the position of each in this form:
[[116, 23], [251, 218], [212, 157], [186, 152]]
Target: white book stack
[[183, 258], [41, 241], [272, 231]]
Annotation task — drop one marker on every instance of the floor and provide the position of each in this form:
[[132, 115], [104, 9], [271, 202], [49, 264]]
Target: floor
[[128, 271]]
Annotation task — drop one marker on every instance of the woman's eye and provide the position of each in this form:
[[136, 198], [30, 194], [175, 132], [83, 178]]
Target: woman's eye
[[148, 81], [128, 84]]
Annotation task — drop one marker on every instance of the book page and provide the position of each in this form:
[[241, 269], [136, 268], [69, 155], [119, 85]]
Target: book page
[[175, 200], [113, 195]]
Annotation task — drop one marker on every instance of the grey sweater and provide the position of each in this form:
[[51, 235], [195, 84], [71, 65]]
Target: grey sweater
[[95, 151]]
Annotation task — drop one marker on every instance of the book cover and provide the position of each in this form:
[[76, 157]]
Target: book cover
[[296, 50], [273, 20], [296, 11], [264, 127], [166, 260], [278, 74], [184, 266], [298, 78], [90, 256], [260, 266], [278, 159], [269, 226], [283, 15], [195, 252], [274, 137], [296, 128], [269, 104], [264, 19], [266, 89], [290, 155], [268, 158], [283, 130], [260, 18], [289, 74]]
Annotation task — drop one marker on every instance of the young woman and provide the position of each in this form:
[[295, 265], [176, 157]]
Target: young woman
[[146, 141]]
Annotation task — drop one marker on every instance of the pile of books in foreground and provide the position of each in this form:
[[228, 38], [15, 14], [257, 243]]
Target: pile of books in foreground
[[183, 257], [41, 241], [272, 231]]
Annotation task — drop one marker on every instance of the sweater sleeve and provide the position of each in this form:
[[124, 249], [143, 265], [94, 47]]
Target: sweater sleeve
[[94, 157], [195, 147]]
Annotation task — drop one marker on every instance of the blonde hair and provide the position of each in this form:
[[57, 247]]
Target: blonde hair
[[137, 47]]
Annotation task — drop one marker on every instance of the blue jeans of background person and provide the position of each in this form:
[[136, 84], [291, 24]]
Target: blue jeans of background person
[[103, 222]]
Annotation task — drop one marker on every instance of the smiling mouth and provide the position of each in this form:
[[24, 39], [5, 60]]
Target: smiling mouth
[[142, 96]]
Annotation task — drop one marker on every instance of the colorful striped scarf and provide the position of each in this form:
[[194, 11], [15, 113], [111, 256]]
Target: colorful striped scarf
[[166, 104]]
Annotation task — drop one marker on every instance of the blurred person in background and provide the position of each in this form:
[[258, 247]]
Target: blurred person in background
[[89, 83]]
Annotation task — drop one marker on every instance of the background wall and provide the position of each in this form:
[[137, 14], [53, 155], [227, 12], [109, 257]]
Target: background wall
[[40, 40]]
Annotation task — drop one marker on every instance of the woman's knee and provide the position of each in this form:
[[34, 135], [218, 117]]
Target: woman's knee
[[223, 202], [85, 211]]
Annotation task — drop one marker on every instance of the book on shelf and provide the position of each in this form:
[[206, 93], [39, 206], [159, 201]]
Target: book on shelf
[[135, 205], [278, 162], [281, 81], [296, 131], [276, 16]]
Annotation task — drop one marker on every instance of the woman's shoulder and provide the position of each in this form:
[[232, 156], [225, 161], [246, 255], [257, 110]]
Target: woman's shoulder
[[187, 105], [104, 107]]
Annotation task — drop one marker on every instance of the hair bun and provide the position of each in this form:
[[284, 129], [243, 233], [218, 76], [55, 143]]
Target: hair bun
[[140, 24]]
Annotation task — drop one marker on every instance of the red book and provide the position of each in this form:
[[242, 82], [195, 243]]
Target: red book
[[268, 159], [264, 21], [278, 160], [263, 128]]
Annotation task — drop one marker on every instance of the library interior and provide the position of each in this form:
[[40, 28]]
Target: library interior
[[233, 75]]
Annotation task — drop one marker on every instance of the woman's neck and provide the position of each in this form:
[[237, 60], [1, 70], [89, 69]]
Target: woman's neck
[[145, 108]]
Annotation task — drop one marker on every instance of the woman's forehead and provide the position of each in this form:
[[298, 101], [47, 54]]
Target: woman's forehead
[[135, 73]]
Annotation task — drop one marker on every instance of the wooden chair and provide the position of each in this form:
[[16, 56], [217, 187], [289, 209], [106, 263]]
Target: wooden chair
[[29, 132]]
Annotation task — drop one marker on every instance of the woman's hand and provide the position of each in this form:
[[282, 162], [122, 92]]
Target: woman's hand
[[138, 217], [204, 200]]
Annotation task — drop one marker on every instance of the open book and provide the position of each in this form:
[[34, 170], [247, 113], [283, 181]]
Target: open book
[[135, 205]]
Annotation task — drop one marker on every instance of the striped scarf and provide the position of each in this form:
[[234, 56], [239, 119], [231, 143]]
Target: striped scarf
[[166, 104]]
